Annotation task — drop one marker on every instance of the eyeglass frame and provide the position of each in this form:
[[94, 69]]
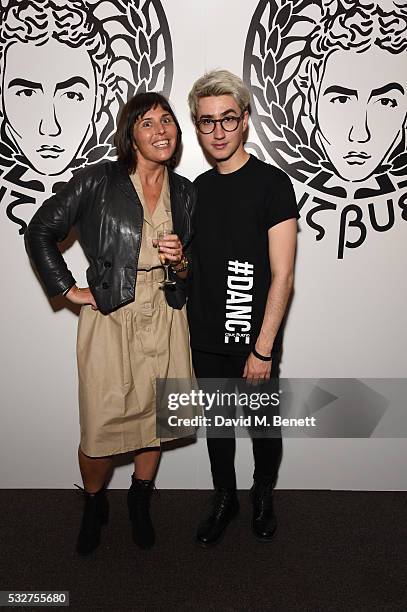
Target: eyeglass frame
[[215, 121]]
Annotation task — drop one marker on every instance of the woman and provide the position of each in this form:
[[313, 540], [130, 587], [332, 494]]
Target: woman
[[130, 332]]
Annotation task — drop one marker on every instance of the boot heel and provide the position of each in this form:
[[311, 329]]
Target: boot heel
[[138, 503], [95, 515]]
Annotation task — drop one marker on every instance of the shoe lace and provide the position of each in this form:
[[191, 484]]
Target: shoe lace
[[220, 501], [264, 497]]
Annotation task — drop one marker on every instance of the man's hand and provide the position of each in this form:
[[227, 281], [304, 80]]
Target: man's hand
[[81, 296], [256, 370]]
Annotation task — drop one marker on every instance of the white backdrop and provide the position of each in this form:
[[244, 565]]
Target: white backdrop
[[346, 319]]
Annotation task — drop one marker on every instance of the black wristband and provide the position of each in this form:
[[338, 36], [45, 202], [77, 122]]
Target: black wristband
[[262, 357]]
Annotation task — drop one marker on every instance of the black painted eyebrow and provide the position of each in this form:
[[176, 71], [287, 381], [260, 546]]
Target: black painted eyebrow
[[72, 81], [386, 88], [341, 90], [25, 83]]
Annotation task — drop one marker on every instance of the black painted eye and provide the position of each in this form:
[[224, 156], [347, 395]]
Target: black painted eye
[[27, 93], [74, 95]]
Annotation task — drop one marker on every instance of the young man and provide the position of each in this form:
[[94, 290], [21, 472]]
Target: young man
[[245, 236]]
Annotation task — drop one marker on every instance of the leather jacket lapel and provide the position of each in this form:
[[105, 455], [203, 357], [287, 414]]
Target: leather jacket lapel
[[124, 183], [177, 209]]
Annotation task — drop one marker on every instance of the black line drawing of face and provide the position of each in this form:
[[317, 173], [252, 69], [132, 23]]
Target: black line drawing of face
[[66, 70], [48, 112], [54, 62], [361, 105], [329, 86]]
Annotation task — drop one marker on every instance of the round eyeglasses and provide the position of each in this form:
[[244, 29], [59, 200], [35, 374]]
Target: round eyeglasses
[[228, 123]]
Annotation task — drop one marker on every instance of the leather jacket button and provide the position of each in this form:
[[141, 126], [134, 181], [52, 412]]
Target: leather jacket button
[[105, 286], [107, 264]]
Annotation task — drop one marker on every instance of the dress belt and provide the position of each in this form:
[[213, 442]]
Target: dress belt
[[154, 274], [149, 269]]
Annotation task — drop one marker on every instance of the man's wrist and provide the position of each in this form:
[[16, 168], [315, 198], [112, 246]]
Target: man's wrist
[[263, 347], [262, 357]]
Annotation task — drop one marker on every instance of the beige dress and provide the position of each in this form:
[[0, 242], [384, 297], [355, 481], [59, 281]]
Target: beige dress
[[121, 354]]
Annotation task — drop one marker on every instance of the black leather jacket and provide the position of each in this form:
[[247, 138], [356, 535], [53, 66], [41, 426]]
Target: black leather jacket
[[105, 209]]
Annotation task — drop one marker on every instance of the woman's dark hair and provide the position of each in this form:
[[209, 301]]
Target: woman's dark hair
[[133, 110]]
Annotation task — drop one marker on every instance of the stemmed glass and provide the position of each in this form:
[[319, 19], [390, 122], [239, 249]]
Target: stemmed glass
[[164, 261]]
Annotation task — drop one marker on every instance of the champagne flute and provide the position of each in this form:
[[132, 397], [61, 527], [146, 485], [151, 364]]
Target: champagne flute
[[164, 261]]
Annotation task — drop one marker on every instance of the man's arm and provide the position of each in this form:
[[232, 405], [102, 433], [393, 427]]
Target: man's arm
[[282, 242]]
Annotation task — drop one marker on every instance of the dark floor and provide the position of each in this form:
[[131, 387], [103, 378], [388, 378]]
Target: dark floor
[[333, 551]]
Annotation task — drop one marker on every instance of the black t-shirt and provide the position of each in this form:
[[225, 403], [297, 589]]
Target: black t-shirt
[[231, 268]]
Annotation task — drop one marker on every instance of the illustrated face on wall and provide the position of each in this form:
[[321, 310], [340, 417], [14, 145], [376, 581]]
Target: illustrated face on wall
[[361, 113], [49, 95]]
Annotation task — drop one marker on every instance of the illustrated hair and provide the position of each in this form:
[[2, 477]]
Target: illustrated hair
[[133, 110], [219, 83], [360, 24], [72, 24], [351, 24]]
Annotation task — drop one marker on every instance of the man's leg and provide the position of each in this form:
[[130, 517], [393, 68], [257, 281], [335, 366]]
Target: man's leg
[[221, 451], [267, 452]]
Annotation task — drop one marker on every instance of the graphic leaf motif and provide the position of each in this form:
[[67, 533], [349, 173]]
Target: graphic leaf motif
[[155, 73], [143, 44], [258, 94], [154, 46], [145, 68], [291, 137], [309, 155], [257, 150], [400, 172], [135, 18], [142, 86], [286, 149], [271, 92], [283, 16], [97, 153], [273, 41], [262, 36], [400, 161], [268, 121], [258, 67], [305, 167], [278, 114], [269, 66]]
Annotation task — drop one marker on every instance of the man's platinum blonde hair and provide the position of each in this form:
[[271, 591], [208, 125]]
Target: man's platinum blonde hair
[[219, 83]]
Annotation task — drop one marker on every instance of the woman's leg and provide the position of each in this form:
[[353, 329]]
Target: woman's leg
[[95, 471], [146, 462], [139, 496]]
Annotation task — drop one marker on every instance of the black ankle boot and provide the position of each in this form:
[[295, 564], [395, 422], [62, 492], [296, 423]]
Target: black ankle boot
[[95, 514], [264, 522], [225, 508], [138, 503]]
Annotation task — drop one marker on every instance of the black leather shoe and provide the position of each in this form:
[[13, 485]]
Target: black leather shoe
[[225, 507], [95, 514], [138, 503], [264, 522]]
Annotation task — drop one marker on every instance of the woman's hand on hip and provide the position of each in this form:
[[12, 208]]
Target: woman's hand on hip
[[81, 295], [172, 248]]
